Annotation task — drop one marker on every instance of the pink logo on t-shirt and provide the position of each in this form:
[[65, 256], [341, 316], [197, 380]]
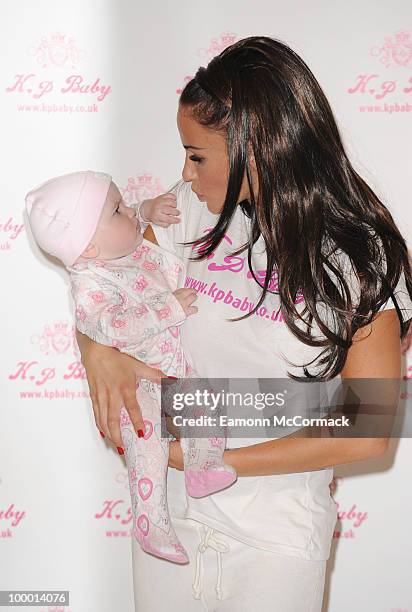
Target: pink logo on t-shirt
[[231, 262], [235, 263]]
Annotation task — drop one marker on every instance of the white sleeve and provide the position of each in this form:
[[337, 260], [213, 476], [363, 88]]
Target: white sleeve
[[169, 237], [143, 223], [400, 292]]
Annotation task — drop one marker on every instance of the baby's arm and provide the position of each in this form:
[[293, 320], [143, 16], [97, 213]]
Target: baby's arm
[[160, 211], [108, 316]]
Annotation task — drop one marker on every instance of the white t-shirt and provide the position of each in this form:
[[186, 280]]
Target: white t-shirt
[[294, 513]]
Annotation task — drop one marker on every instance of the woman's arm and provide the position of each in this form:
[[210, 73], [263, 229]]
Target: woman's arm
[[375, 353], [112, 378]]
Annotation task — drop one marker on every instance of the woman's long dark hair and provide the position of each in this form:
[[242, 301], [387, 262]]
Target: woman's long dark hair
[[311, 203]]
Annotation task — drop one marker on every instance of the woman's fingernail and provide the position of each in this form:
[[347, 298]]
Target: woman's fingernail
[[140, 433], [102, 434], [120, 450], [172, 377]]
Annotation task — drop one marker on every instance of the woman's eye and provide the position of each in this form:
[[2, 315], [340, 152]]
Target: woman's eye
[[195, 159]]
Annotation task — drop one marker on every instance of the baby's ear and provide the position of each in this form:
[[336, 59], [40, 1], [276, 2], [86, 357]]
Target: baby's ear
[[90, 252]]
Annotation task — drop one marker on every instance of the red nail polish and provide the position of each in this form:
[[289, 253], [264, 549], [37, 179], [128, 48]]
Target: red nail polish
[[102, 434], [172, 377], [120, 450], [140, 433]]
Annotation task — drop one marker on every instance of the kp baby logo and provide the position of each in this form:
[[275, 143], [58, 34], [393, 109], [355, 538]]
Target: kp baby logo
[[10, 230], [216, 46], [237, 264], [350, 518], [117, 513], [56, 84], [374, 89], [143, 187], [42, 377], [10, 518]]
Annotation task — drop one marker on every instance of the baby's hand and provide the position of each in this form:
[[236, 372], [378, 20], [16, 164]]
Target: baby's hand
[[186, 297], [161, 211]]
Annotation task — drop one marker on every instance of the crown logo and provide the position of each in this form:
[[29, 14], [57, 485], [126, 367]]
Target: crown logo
[[217, 46], [61, 327], [166, 347], [61, 39], [402, 36], [228, 39], [57, 50], [122, 479], [396, 50], [144, 179], [56, 339], [142, 187]]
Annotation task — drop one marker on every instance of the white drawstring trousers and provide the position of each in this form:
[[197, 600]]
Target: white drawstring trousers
[[225, 575], [209, 540]]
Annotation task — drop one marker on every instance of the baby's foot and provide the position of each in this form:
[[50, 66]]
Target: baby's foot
[[202, 482], [153, 542]]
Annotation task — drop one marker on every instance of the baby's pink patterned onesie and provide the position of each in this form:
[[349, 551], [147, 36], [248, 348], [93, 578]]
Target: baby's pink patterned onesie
[[128, 303]]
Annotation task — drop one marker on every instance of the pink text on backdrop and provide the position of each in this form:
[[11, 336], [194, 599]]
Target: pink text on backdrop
[[367, 84], [74, 84]]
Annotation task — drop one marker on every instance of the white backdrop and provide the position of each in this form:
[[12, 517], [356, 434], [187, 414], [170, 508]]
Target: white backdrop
[[94, 85]]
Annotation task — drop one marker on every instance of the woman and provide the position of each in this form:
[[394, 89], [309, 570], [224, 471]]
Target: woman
[[280, 221]]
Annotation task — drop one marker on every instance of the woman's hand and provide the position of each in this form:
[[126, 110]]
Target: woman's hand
[[176, 461], [112, 377], [175, 455]]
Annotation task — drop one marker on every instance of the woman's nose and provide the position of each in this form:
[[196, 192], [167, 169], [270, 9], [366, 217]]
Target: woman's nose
[[188, 172]]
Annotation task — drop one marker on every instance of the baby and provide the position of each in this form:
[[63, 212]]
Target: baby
[[126, 295]]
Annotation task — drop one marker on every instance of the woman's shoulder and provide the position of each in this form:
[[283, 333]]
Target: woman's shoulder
[[338, 259]]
